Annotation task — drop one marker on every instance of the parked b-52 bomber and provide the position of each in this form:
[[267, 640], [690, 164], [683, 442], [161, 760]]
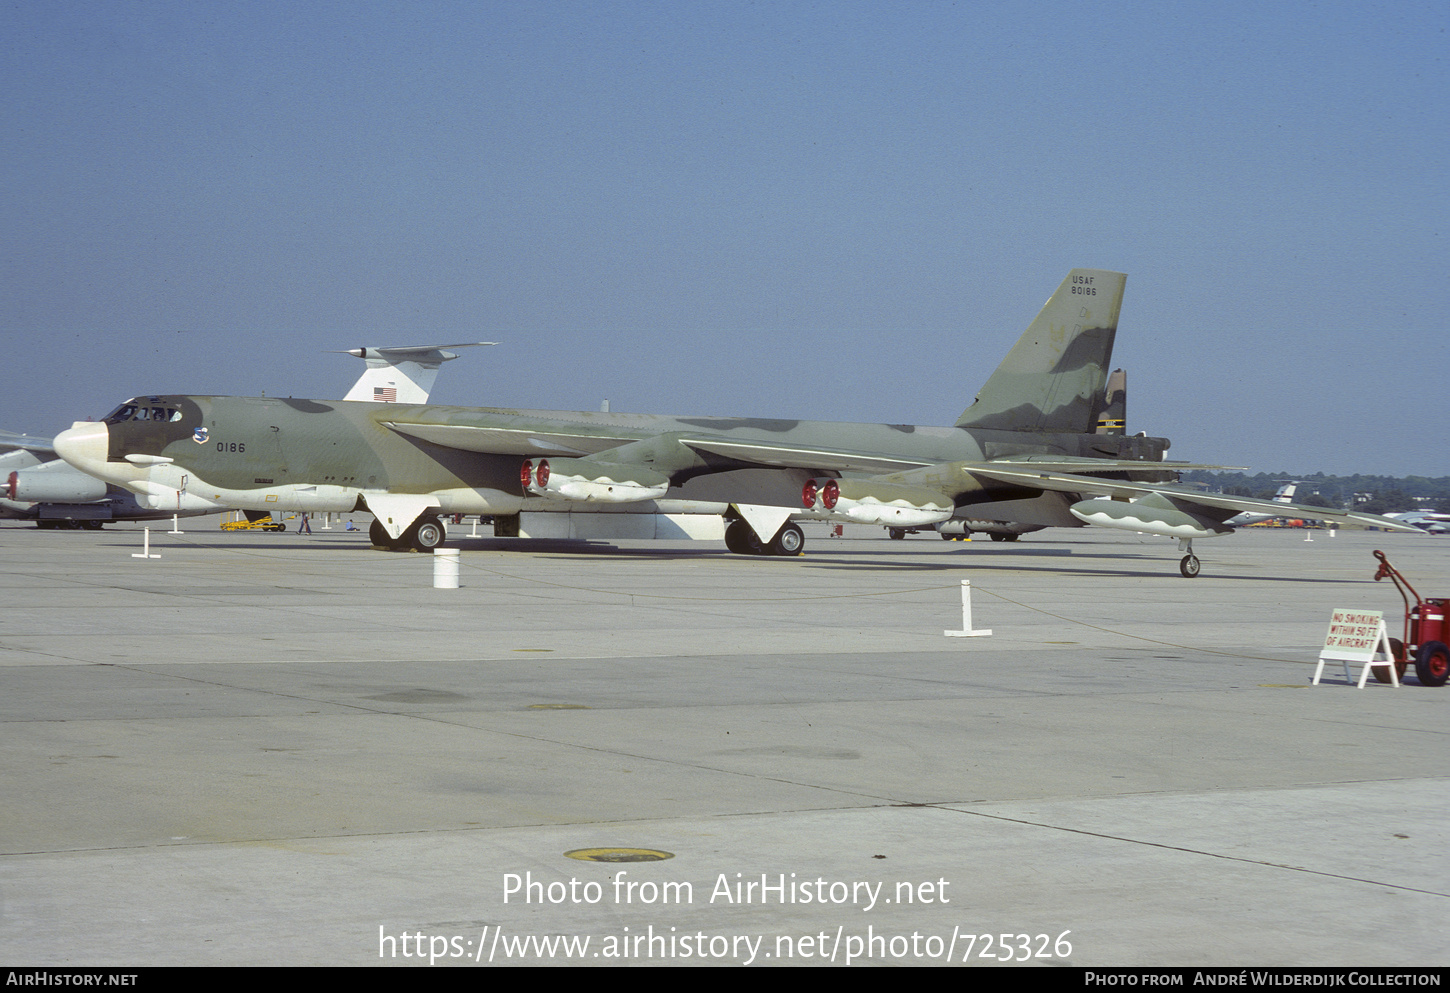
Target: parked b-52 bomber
[[1025, 451], [40, 487]]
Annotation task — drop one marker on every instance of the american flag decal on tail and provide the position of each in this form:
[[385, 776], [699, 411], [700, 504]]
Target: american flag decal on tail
[[385, 394]]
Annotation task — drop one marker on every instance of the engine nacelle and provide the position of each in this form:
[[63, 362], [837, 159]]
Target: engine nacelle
[[870, 501], [63, 485], [597, 482], [1149, 518]]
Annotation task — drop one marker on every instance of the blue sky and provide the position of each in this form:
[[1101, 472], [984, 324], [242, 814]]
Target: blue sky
[[838, 211]]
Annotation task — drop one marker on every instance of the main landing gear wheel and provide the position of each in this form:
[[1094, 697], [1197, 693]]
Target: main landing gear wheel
[[1432, 665], [426, 534], [789, 540], [1189, 566], [1004, 537], [378, 535], [741, 539], [897, 534]]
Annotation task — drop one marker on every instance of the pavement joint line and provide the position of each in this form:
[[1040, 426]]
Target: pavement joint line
[[944, 806], [1206, 854]]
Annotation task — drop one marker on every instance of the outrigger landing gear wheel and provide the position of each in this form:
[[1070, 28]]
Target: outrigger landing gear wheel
[[1189, 566]]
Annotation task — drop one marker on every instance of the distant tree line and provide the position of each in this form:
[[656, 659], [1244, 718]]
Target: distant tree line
[[1373, 494]]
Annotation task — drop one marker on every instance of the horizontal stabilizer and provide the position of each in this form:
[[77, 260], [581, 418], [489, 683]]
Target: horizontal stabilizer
[[401, 373]]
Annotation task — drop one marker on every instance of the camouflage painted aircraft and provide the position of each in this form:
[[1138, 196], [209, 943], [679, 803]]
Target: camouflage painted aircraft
[[1025, 451], [41, 487]]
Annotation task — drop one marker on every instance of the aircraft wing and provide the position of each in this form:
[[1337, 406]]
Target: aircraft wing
[[1067, 463], [789, 457], [10, 442], [794, 457], [507, 441], [527, 442], [604, 464], [1215, 506]]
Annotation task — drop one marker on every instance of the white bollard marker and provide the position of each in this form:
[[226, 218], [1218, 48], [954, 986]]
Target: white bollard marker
[[445, 568], [145, 552], [966, 631]]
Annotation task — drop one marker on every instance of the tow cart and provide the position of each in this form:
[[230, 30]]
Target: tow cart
[[1425, 635]]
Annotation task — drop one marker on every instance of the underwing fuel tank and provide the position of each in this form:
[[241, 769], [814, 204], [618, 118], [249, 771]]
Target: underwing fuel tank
[[598, 482], [1152, 514], [868, 501]]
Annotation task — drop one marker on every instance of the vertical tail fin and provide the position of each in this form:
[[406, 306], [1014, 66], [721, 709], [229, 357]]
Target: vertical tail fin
[[1053, 377]]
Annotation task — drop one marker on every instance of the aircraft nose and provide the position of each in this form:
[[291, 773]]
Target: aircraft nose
[[85, 445]]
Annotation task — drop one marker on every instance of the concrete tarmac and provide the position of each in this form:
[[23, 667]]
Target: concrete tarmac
[[282, 749]]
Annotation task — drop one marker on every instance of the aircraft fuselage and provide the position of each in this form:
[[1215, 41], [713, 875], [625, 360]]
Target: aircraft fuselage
[[262, 453]]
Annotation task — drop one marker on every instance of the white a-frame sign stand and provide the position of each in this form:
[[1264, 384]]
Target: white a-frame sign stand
[[1357, 636]]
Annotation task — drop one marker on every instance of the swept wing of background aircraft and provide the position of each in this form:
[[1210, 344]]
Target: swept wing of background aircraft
[[1026, 451]]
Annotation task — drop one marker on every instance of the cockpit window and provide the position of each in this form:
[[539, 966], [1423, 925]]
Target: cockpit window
[[133, 412]]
